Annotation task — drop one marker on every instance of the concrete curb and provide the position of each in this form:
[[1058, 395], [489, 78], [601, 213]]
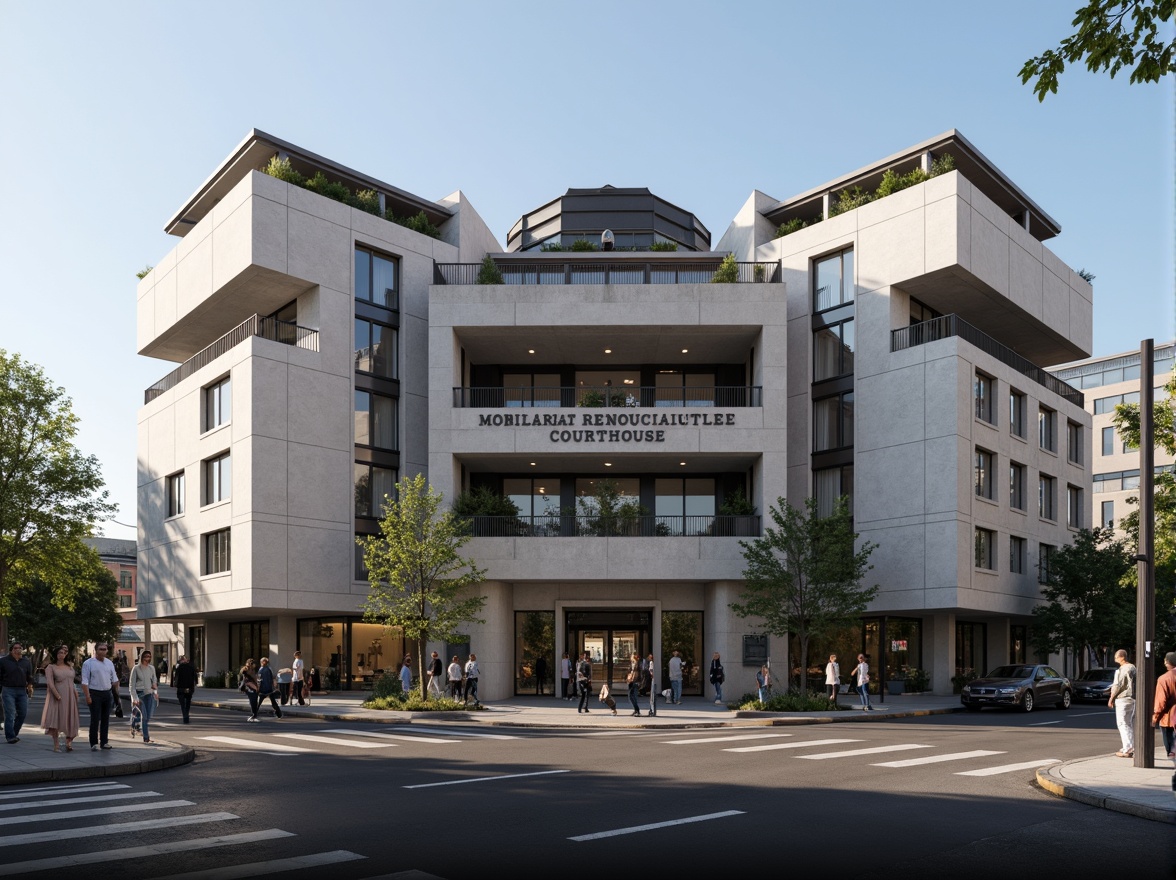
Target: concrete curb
[[1051, 780], [184, 755]]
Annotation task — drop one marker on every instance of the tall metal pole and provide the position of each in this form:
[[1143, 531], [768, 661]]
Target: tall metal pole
[[1145, 596]]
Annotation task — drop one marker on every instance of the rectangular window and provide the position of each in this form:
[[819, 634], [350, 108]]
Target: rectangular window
[[1016, 486], [216, 552], [1108, 514], [375, 349], [218, 404], [833, 351], [1016, 555], [1073, 442], [1016, 413], [1130, 479], [125, 601], [1046, 497], [375, 421], [833, 422], [983, 475], [1108, 441], [218, 479], [985, 549], [373, 487], [1047, 429], [1074, 507], [175, 494], [1045, 556], [984, 389], [124, 580], [377, 279], [829, 484], [833, 281], [543, 389]]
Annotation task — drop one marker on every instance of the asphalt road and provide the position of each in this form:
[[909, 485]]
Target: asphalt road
[[929, 797]]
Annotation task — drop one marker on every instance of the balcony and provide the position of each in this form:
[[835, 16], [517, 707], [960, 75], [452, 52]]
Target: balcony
[[954, 325], [610, 397], [267, 328], [613, 271], [618, 526]]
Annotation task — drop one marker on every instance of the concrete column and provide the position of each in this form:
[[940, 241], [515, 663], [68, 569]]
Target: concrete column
[[999, 641], [942, 642], [925, 161], [825, 201], [283, 640], [493, 642]]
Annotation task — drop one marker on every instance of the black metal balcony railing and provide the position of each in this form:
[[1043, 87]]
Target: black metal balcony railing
[[618, 526], [632, 272], [609, 397], [267, 328], [954, 325]]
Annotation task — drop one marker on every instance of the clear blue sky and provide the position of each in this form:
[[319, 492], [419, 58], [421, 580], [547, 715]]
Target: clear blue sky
[[113, 115]]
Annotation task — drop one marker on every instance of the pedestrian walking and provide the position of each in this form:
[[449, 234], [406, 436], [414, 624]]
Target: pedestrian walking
[[633, 680], [297, 680], [583, 682], [833, 678], [763, 680], [406, 674], [144, 687], [60, 715], [436, 676], [454, 674], [540, 674], [861, 674], [471, 681], [310, 682], [1122, 700], [676, 678], [250, 686], [184, 680], [285, 678], [1164, 706], [100, 688], [16, 677], [717, 677], [565, 676], [267, 687], [651, 685]]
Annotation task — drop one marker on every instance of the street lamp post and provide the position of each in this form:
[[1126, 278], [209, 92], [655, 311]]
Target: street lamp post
[[1145, 595]]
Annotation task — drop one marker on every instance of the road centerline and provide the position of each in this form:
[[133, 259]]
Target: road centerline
[[634, 829], [485, 779]]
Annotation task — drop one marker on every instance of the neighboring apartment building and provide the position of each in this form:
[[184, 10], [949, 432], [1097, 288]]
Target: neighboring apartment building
[[890, 353], [1106, 382]]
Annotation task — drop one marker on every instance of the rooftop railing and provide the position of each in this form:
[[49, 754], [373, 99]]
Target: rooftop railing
[[609, 397], [267, 328], [613, 526], [629, 272], [953, 325]]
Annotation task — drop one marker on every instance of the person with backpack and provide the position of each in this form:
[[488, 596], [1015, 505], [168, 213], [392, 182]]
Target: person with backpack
[[717, 677]]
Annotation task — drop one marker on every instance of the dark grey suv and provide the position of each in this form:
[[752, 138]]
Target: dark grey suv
[[1017, 686]]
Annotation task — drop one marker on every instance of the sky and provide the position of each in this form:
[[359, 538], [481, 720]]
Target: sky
[[112, 115]]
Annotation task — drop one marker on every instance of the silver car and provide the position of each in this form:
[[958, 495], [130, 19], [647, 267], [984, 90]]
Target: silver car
[[1018, 686]]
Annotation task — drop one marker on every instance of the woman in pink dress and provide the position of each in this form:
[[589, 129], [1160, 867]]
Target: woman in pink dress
[[60, 715]]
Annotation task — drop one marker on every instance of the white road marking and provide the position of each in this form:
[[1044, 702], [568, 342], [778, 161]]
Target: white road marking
[[853, 753], [487, 779], [794, 745], [62, 789], [103, 830], [636, 828], [1106, 713], [97, 811], [254, 744], [336, 741], [1009, 768], [1043, 723], [275, 866], [720, 739], [938, 759], [372, 733], [444, 732], [139, 852], [81, 800]]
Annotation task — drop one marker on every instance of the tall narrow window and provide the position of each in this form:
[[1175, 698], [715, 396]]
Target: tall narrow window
[[1016, 555], [1108, 441], [218, 479], [1046, 497], [829, 484], [1074, 442], [218, 404], [1047, 429], [375, 421], [216, 552], [1016, 413], [1045, 557], [985, 549], [1016, 486], [1108, 514], [1074, 507], [373, 486], [375, 349], [175, 494], [984, 389], [983, 475], [377, 279], [833, 351], [833, 422], [833, 281]]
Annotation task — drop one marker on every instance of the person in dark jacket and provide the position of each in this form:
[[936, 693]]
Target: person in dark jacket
[[267, 687], [16, 679], [184, 679], [717, 676]]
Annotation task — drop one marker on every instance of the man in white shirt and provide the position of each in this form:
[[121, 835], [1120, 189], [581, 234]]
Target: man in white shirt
[[296, 683], [1123, 702], [100, 686], [676, 678]]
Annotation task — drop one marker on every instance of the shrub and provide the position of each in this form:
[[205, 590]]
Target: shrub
[[366, 200], [413, 703], [737, 504], [728, 271], [483, 501], [849, 199], [583, 244], [418, 222], [664, 246], [387, 686], [551, 247], [917, 681], [489, 273], [146, 270], [591, 398], [942, 164], [790, 226], [789, 701], [283, 170]]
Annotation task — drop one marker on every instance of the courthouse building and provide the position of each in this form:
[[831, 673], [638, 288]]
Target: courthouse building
[[642, 403]]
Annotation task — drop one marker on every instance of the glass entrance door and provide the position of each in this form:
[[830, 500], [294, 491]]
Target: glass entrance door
[[610, 647], [624, 643]]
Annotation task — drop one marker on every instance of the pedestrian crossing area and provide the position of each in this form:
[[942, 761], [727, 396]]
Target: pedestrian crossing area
[[92, 824], [282, 743]]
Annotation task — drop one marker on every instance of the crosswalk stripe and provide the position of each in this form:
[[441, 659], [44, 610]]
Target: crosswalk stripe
[[486, 779], [721, 739], [97, 811], [336, 741], [138, 852], [372, 733], [254, 744], [853, 753], [62, 789], [939, 759], [275, 866], [793, 745], [117, 828], [1009, 768], [443, 732], [103, 797], [656, 825]]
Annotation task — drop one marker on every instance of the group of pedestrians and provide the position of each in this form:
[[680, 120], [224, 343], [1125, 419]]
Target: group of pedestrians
[[259, 683], [1122, 700], [458, 680]]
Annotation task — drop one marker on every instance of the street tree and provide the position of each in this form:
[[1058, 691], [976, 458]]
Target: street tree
[[1087, 604], [1111, 35], [51, 495], [42, 617], [804, 576], [419, 582]]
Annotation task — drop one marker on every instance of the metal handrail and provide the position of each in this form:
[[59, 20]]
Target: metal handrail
[[267, 328], [611, 397], [602, 272], [612, 526], [953, 325]]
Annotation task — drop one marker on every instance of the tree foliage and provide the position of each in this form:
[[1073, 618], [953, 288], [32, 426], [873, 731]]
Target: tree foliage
[[50, 494], [419, 583], [1086, 601], [804, 576], [1111, 35]]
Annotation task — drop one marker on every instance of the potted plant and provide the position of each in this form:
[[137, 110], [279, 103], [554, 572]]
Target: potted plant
[[735, 515], [489, 513], [897, 685]]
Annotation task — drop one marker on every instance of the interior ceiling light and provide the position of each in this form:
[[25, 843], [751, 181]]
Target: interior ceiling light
[[628, 381], [608, 351], [608, 464], [685, 350], [532, 464], [682, 463], [530, 351]]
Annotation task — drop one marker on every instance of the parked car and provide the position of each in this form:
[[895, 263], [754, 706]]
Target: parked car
[[1018, 686], [1094, 685]]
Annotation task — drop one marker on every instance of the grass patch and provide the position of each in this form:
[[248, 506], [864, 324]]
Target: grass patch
[[414, 703], [788, 702]]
